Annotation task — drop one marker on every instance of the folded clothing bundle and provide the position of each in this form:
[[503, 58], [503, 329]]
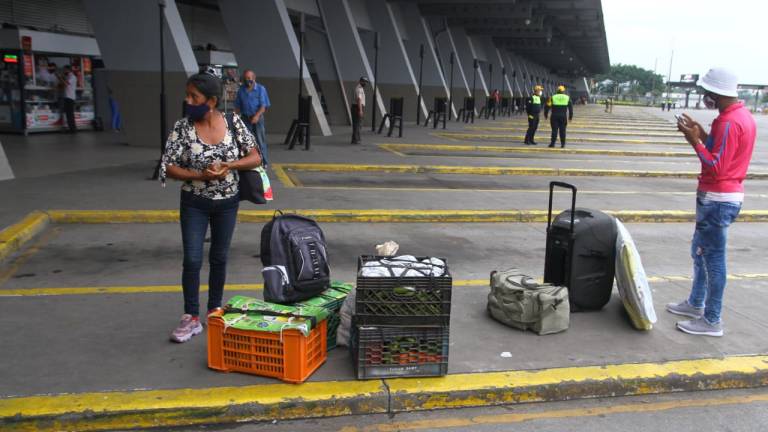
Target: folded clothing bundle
[[403, 266]]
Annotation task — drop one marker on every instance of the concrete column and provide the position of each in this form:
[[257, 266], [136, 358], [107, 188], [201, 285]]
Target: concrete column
[[318, 55], [347, 46], [398, 72], [465, 56], [522, 80], [131, 54], [263, 39], [513, 74], [462, 80], [6, 173], [492, 57], [507, 88], [478, 52], [435, 80]]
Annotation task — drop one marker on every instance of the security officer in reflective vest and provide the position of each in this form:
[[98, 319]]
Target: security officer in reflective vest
[[561, 106], [533, 108]]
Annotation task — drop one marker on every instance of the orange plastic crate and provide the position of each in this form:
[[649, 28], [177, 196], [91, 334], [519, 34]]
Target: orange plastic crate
[[292, 359]]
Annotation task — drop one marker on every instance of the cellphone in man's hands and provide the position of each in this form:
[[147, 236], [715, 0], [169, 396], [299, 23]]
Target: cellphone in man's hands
[[680, 119]]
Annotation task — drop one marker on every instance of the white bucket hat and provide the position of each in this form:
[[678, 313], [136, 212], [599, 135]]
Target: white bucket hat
[[720, 81]]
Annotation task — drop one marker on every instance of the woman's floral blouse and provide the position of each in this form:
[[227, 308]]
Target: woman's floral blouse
[[184, 149]]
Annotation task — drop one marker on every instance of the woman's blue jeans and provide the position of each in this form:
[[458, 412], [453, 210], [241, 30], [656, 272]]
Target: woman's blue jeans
[[708, 251], [196, 214]]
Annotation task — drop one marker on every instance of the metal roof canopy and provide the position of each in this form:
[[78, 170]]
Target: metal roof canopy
[[565, 36]]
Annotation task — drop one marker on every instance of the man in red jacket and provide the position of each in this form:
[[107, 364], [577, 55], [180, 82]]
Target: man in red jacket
[[725, 154]]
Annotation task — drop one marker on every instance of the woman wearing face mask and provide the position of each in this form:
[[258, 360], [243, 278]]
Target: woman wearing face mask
[[205, 152]]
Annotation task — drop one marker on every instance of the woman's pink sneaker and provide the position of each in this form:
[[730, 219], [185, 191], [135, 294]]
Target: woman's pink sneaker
[[188, 327]]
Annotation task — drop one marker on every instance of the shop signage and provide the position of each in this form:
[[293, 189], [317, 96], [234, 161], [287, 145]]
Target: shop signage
[[28, 65], [26, 43]]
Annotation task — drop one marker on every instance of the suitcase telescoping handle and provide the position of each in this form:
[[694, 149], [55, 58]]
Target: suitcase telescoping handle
[[573, 201]]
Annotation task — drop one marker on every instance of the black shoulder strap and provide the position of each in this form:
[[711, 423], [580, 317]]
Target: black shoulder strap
[[230, 118]]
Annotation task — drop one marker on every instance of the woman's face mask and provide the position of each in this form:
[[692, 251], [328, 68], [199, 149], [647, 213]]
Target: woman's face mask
[[709, 102], [197, 112]]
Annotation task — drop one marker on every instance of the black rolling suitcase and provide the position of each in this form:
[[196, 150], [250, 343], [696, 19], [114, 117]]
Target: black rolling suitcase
[[581, 251]]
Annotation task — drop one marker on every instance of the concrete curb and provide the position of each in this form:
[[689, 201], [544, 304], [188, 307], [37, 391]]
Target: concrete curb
[[281, 170], [577, 131], [184, 407], [384, 216], [521, 138], [399, 148], [560, 384], [16, 235]]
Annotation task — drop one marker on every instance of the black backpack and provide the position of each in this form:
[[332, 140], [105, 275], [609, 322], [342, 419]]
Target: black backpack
[[295, 259]]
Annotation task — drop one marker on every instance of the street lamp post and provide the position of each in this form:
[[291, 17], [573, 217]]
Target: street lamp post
[[450, 89], [418, 97], [163, 120], [375, 72]]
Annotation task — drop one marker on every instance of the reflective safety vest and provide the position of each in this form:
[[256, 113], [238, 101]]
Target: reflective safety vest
[[535, 100], [560, 99]]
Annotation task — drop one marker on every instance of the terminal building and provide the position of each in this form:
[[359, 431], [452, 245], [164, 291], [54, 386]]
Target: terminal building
[[415, 49]]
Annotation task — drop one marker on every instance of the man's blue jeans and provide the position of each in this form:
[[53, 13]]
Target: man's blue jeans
[[708, 251], [259, 132], [196, 214]]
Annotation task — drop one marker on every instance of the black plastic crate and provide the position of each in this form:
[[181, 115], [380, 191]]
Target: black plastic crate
[[402, 300], [399, 351]]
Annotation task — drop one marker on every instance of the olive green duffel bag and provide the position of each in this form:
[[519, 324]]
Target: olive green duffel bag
[[519, 301]]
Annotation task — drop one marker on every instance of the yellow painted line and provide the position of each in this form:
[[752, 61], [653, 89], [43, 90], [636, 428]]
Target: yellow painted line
[[578, 131], [544, 125], [527, 150], [501, 190], [295, 181], [139, 289], [508, 137], [512, 157], [613, 124], [496, 388], [156, 408], [154, 289], [282, 176], [382, 216], [18, 262], [495, 170], [640, 407], [16, 235]]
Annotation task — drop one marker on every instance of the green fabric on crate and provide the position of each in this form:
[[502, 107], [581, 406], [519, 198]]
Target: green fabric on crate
[[262, 323], [342, 286], [248, 313]]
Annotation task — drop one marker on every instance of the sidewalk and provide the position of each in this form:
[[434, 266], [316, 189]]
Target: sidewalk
[[101, 339]]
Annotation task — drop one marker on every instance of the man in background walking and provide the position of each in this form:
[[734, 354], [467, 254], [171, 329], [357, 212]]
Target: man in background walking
[[251, 102], [358, 109]]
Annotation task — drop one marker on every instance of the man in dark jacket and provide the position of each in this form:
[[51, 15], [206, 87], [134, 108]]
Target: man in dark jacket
[[562, 112], [533, 108]]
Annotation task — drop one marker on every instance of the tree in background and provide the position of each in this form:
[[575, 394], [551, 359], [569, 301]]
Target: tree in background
[[631, 80]]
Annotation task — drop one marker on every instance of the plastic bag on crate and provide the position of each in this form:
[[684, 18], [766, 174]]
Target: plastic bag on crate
[[346, 314], [388, 248]]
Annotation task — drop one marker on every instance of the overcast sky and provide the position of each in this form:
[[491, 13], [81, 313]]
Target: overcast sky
[[703, 33]]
